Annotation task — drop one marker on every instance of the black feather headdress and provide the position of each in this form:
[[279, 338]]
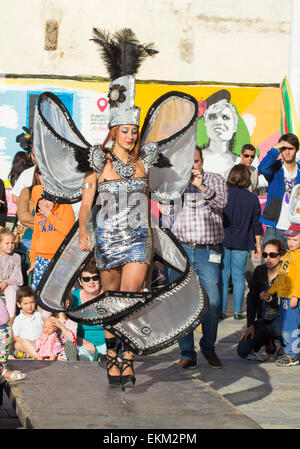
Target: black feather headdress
[[122, 53]]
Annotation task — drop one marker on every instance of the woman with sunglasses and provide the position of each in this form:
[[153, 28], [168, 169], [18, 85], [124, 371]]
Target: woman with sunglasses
[[263, 324], [243, 233], [90, 339]]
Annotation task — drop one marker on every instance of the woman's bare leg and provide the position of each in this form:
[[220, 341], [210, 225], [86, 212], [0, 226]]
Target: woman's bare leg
[[133, 278], [110, 280]]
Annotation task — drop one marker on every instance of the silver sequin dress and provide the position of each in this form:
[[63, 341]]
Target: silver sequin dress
[[123, 233]]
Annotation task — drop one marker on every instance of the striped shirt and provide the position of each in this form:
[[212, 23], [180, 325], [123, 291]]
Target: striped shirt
[[198, 217]]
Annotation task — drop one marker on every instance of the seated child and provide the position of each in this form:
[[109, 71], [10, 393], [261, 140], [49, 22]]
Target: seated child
[[10, 271], [28, 324], [48, 345], [5, 337], [66, 331]]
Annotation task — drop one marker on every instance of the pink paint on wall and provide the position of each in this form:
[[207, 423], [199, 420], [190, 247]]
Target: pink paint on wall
[[267, 144], [262, 201], [11, 206]]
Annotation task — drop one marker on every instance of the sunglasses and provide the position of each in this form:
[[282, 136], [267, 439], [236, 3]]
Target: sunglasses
[[249, 155], [286, 148], [272, 255], [89, 278]]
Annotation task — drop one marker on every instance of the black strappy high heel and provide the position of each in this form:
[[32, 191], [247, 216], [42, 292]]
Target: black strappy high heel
[[129, 379], [112, 361]]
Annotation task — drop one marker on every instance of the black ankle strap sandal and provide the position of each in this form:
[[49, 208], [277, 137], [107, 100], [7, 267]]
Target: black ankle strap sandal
[[129, 379], [112, 361]]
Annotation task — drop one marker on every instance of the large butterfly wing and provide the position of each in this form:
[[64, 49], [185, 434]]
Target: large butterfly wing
[[171, 122]]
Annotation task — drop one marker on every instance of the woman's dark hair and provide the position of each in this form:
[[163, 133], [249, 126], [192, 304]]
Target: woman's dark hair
[[290, 138], [35, 179], [21, 162], [278, 244], [239, 177]]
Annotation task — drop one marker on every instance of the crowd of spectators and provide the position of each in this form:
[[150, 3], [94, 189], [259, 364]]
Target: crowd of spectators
[[219, 224]]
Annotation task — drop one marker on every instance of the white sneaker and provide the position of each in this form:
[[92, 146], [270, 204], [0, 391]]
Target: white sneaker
[[257, 357]]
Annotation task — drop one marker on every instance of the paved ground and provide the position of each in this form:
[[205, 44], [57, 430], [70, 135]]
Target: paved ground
[[75, 396], [266, 393]]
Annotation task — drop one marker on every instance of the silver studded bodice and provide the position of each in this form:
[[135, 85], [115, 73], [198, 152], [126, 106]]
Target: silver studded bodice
[[123, 231]]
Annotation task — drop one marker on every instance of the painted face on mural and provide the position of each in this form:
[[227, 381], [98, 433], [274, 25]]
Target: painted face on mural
[[220, 122]]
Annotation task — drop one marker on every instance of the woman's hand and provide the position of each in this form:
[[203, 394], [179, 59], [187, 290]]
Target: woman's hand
[[249, 331], [265, 296], [43, 208], [85, 241], [55, 321]]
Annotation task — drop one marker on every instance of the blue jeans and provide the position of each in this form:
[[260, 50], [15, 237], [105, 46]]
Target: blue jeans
[[25, 245], [209, 276], [274, 233], [234, 263], [290, 324]]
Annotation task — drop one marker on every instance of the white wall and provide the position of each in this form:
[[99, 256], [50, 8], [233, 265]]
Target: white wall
[[213, 40]]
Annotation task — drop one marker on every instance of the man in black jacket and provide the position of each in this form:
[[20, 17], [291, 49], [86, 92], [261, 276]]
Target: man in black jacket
[[263, 324]]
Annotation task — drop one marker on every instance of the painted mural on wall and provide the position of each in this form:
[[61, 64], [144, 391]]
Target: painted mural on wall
[[228, 117], [88, 107], [221, 132]]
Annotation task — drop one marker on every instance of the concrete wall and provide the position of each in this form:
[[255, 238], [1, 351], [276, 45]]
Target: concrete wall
[[215, 40]]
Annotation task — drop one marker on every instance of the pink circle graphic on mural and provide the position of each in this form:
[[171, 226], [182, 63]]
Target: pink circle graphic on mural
[[102, 104]]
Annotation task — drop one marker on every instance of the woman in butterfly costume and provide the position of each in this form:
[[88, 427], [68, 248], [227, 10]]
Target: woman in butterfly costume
[[114, 192], [123, 248]]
